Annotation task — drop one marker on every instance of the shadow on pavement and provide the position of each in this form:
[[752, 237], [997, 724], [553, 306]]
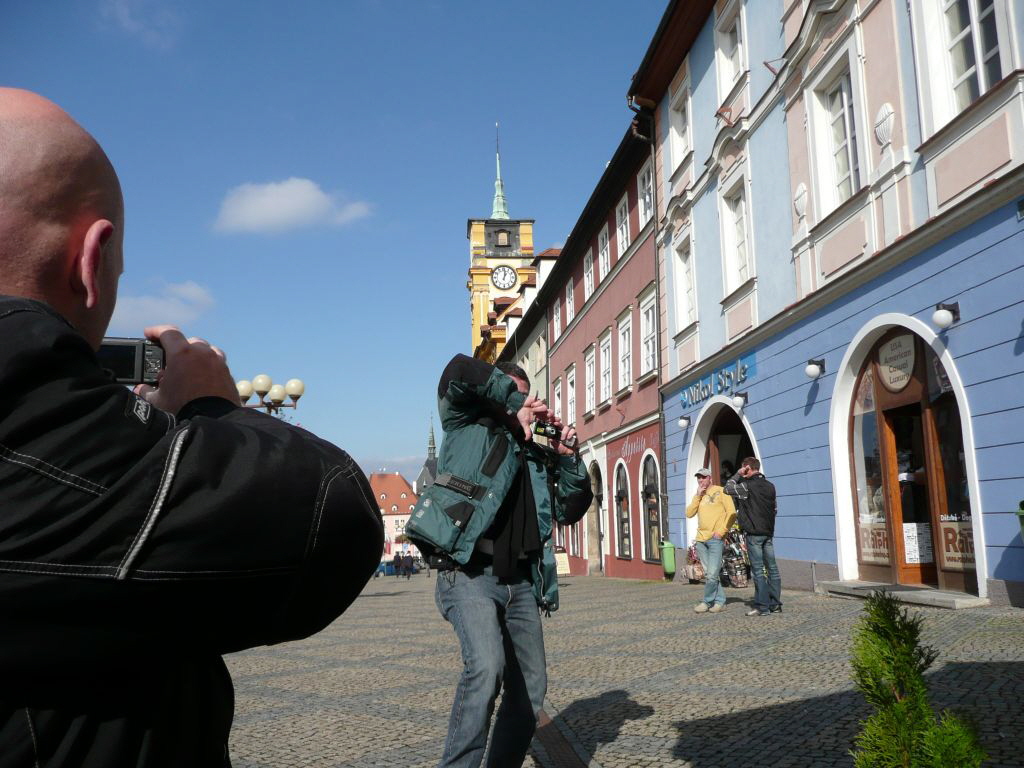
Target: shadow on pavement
[[821, 730], [609, 712]]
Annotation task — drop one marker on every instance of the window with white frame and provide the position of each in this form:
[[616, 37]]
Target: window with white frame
[[735, 242], [588, 275], [556, 319], [842, 130], [570, 303], [556, 398], [645, 193], [679, 125], [731, 60], [965, 48], [570, 395], [648, 333], [604, 256], [605, 364], [622, 225], [972, 43], [686, 293], [625, 351], [589, 380]]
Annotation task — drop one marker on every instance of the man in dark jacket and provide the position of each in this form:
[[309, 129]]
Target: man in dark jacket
[[143, 534], [487, 519], [756, 510]]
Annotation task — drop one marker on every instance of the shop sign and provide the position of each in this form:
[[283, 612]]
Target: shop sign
[[957, 537], [633, 446], [896, 362], [718, 382], [874, 543]]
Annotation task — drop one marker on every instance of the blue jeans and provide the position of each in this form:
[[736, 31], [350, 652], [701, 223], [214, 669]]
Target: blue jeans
[[499, 629], [710, 554], [767, 582]]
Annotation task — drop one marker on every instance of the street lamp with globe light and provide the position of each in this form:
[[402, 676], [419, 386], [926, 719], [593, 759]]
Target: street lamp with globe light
[[271, 395]]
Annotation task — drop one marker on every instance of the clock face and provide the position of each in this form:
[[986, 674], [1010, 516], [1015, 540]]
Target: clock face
[[503, 277]]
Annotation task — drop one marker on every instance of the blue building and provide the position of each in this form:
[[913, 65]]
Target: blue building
[[841, 262]]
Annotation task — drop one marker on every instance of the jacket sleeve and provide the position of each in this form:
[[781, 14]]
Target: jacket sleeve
[[472, 388], [574, 492]]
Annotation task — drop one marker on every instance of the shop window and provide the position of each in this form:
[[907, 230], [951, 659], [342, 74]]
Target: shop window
[[622, 512], [872, 531], [652, 509]]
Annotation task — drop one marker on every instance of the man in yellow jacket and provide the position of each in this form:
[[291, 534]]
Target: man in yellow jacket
[[715, 513]]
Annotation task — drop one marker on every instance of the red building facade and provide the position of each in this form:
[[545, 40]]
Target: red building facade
[[600, 307]]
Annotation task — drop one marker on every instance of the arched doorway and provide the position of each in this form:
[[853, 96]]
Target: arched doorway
[[912, 506], [728, 444], [595, 534]]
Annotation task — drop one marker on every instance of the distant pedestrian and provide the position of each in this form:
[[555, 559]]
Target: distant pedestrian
[[715, 515], [756, 516], [397, 563], [407, 565]]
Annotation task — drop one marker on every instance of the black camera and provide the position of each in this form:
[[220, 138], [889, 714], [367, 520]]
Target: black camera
[[131, 361], [551, 432]]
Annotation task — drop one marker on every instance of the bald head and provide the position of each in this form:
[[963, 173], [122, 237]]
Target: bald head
[[61, 213]]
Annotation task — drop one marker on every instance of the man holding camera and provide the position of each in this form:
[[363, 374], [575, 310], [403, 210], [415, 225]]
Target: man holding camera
[[143, 534], [486, 526], [755, 498]]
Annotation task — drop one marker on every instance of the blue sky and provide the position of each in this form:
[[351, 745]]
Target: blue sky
[[298, 176]]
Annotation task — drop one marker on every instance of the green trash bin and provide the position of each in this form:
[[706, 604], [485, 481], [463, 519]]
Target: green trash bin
[[668, 558]]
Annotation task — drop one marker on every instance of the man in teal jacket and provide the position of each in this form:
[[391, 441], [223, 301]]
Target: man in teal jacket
[[486, 523]]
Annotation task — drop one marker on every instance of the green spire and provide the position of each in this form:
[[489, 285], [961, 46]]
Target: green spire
[[500, 208]]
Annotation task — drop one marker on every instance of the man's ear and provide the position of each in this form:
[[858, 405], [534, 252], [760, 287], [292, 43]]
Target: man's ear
[[90, 263]]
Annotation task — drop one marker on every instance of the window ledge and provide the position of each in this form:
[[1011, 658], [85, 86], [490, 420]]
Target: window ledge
[[624, 392], [739, 292], [588, 415], [686, 331], [604, 405], [651, 374]]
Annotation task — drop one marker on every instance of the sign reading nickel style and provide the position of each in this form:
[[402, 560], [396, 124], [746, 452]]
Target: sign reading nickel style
[[718, 382]]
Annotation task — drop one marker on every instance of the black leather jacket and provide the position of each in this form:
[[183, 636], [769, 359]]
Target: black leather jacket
[[755, 503], [137, 546]]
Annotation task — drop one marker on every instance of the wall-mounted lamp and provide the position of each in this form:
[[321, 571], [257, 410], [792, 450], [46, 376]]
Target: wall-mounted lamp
[[684, 422], [946, 314], [739, 399], [814, 368]]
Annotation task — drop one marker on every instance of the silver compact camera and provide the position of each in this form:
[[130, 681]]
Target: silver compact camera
[[131, 361]]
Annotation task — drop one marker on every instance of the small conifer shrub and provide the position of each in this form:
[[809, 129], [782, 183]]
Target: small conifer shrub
[[889, 663]]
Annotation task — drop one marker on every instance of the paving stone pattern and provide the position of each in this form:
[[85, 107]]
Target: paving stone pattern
[[636, 678]]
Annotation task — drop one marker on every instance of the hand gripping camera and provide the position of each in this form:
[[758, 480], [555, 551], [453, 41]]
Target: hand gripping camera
[[551, 432]]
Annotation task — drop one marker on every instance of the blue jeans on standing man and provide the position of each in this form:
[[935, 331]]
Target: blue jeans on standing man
[[710, 554], [498, 626], [767, 588]]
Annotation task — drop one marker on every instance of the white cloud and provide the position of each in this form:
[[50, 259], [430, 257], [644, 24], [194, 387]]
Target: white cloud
[[279, 206], [147, 20], [179, 304]]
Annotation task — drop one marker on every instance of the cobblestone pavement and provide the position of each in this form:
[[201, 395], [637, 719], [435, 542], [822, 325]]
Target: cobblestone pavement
[[636, 678]]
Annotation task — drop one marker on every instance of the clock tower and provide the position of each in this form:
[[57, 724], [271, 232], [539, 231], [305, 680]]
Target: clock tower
[[500, 264]]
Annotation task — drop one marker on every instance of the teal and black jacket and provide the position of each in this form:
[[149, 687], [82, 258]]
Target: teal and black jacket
[[478, 462]]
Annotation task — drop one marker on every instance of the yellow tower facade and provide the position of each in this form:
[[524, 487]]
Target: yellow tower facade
[[500, 264]]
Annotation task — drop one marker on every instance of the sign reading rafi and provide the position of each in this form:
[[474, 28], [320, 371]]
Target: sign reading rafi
[[719, 382]]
